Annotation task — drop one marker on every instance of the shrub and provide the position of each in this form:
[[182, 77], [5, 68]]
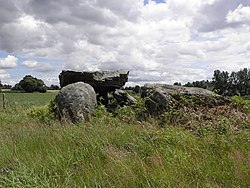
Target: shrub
[[126, 114], [101, 116], [44, 114], [133, 113], [238, 100]]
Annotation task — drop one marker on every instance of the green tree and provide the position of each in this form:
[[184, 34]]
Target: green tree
[[233, 84], [54, 87], [244, 79], [221, 82], [31, 84], [137, 89], [201, 84], [17, 87], [6, 86], [236, 83], [189, 84], [177, 84], [1, 85]]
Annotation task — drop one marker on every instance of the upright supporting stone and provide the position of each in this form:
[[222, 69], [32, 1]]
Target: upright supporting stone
[[76, 101]]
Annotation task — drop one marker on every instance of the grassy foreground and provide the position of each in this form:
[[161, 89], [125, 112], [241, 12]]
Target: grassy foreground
[[120, 152]]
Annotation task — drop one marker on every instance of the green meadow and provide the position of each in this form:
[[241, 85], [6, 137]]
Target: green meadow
[[36, 150], [23, 101]]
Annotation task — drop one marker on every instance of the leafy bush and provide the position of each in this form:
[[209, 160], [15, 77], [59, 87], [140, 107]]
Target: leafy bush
[[242, 102], [126, 114], [133, 113], [44, 114], [100, 115]]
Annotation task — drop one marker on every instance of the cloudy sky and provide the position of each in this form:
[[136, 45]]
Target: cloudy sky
[[157, 41]]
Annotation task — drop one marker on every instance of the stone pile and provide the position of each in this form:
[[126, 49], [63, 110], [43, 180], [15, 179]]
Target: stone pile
[[160, 98]]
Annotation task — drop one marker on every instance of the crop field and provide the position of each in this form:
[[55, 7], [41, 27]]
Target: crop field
[[118, 150]]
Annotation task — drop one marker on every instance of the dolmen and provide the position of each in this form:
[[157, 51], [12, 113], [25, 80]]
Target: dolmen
[[103, 82], [82, 91]]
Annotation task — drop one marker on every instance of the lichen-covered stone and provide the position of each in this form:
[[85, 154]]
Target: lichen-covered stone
[[123, 97], [160, 98], [101, 81], [76, 101]]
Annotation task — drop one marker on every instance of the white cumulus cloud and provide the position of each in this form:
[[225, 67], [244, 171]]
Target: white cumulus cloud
[[166, 42], [4, 74], [240, 14], [38, 66], [30, 64], [8, 62]]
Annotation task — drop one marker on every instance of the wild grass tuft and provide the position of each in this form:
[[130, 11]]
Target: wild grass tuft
[[243, 102], [44, 114], [120, 150]]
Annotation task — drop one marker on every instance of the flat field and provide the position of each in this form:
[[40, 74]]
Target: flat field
[[117, 151], [23, 101]]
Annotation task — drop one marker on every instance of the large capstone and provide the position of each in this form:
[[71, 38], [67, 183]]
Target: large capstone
[[160, 98], [76, 101], [103, 82], [107, 81]]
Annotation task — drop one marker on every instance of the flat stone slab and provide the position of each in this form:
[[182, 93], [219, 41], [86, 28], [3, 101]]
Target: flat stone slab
[[101, 81], [180, 90]]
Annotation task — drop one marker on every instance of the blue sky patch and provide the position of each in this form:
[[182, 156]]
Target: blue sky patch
[[157, 1]]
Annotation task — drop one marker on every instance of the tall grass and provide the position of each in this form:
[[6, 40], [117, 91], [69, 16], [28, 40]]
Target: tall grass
[[117, 154], [119, 151]]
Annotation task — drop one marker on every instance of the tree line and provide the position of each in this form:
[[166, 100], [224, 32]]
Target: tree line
[[225, 83], [30, 84]]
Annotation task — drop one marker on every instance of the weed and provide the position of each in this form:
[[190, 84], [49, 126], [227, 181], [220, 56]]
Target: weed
[[44, 114], [117, 150], [238, 100]]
